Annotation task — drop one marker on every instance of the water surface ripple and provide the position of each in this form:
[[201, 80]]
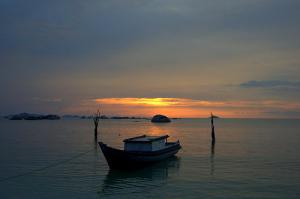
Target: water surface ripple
[[60, 159]]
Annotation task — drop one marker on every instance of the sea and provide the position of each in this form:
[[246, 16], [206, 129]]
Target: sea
[[252, 158]]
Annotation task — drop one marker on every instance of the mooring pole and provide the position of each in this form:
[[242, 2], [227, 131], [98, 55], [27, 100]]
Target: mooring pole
[[96, 119], [213, 138]]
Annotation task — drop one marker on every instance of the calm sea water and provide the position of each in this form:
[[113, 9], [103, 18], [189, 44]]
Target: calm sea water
[[60, 159]]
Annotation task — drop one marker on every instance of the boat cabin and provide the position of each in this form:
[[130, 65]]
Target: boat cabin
[[145, 143]]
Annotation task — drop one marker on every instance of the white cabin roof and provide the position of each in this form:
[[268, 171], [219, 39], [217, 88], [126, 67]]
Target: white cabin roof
[[145, 139]]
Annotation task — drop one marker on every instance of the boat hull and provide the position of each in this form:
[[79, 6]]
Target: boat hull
[[120, 159]]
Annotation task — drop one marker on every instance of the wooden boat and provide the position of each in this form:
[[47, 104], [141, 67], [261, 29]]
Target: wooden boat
[[140, 152]]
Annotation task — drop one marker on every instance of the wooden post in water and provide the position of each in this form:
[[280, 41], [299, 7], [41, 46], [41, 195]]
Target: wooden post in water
[[96, 119], [213, 137]]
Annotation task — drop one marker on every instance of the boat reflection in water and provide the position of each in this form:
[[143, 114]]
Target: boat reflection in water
[[125, 182]]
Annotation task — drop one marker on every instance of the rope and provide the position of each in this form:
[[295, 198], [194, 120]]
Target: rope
[[46, 167]]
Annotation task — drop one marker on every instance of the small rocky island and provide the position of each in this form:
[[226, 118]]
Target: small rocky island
[[160, 119], [29, 116]]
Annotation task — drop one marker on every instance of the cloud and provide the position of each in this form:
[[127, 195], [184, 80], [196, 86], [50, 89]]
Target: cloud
[[77, 50], [271, 84], [50, 100]]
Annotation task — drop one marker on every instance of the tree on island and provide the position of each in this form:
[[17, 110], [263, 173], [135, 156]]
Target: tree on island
[[96, 119]]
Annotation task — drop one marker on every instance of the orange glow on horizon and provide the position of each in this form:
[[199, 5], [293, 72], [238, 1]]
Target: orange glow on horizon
[[139, 101], [184, 107]]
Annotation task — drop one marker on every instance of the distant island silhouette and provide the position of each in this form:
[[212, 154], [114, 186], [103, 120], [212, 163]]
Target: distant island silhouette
[[160, 119], [102, 117], [30, 116]]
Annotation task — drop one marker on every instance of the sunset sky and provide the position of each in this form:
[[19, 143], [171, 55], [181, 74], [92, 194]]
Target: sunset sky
[[182, 58]]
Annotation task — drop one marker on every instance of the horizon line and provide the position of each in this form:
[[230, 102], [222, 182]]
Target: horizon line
[[149, 117]]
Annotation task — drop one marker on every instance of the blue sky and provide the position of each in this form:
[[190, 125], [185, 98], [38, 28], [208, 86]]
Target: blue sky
[[57, 55]]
